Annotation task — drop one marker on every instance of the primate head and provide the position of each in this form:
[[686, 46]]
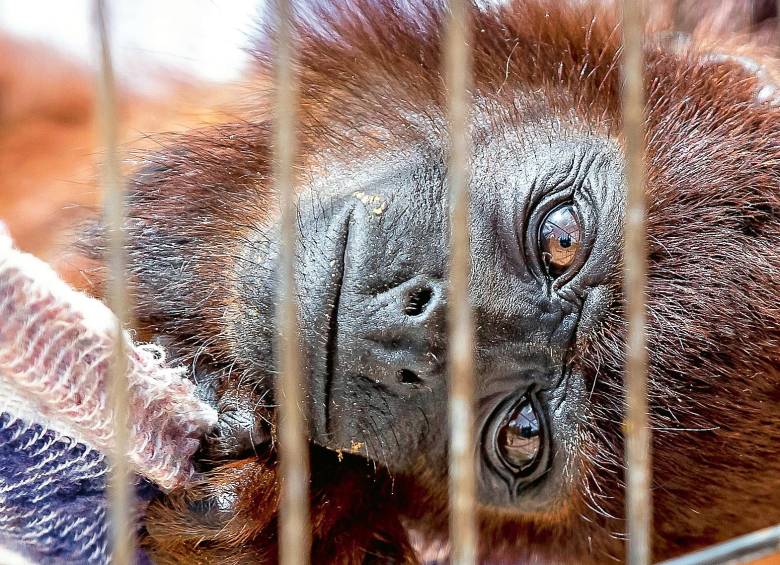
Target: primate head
[[545, 235], [547, 208]]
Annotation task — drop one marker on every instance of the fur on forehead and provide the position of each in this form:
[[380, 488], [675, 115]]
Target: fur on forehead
[[369, 72], [374, 67]]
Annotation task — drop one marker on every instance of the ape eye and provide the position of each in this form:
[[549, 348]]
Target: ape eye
[[520, 436], [559, 239]]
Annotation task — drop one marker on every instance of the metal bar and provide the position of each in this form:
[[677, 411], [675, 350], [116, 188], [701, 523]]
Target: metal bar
[[457, 67], [119, 488], [294, 525], [635, 424], [743, 549]]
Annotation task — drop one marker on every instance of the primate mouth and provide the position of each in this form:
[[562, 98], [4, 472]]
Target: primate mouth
[[518, 441]]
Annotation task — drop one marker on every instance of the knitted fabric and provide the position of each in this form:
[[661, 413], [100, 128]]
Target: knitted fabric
[[56, 422], [52, 507]]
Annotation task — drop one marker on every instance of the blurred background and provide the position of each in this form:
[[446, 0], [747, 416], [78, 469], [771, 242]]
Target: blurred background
[[202, 38], [177, 62]]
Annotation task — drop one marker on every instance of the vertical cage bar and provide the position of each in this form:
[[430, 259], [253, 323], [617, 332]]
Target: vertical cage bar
[[635, 425], [119, 489], [457, 69], [294, 527]]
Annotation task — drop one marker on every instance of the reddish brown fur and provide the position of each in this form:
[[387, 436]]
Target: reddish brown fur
[[714, 323], [348, 522], [714, 224], [712, 165]]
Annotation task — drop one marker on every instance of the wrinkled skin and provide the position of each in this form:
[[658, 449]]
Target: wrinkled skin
[[373, 241], [371, 277]]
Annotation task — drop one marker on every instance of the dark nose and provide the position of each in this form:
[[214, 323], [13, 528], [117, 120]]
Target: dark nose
[[393, 337]]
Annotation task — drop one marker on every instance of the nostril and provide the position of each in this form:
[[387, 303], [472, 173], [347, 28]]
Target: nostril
[[417, 300], [408, 377]]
